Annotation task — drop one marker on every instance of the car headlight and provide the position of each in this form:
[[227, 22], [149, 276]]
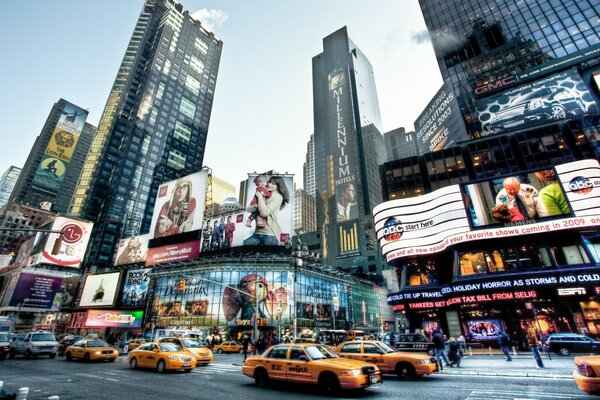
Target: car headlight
[[428, 361], [98, 353], [34, 347], [173, 358], [350, 372]]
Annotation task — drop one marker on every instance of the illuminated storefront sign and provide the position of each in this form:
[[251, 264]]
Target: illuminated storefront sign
[[114, 318]]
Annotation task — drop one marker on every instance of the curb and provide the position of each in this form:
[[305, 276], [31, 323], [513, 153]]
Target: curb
[[508, 374]]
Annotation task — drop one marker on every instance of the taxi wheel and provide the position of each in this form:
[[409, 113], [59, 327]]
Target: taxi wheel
[[564, 351], [160, 367], [261, 378], [53, 355], [69, 357], [11, 354], [133, 363], [329, 383], [220, 351], [405, 371], [86, 357], [431, 352]]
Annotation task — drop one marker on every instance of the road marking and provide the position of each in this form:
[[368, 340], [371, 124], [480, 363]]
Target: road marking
[[518, 395], [97, 377], [213, 368]]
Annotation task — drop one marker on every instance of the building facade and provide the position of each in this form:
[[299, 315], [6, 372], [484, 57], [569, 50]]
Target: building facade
[[308, 169], [348, 149], [305, 212], [7, 183], [154, 125], [400, 144]]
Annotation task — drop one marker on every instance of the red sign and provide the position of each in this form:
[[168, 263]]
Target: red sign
[[476, 298], [173, 252]]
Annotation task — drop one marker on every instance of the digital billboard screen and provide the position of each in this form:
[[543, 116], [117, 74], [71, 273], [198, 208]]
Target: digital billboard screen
[[135, 288], [35, 291], [100, 290], [132, 250]]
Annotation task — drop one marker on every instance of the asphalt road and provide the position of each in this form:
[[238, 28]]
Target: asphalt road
[[223, 380]]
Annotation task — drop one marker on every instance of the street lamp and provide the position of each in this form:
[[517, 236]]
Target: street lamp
[[300, 252]]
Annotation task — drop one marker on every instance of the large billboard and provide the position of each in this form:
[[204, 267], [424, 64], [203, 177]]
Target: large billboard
[[61, 146], [173, 252], [440, 125], [566, 197], [132, 250], [557, 97], [74, 238], [135, 288], [225, 231], [100, 290], [179, 205], [114, 319], [35, 291], [269, 209]]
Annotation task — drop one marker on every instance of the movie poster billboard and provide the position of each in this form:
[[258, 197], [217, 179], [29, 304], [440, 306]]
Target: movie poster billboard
[[566, 197], [269, 209], [114, 319], [560, 96], [74, 237], [179, 205], [135, 288], [100, 290], [224, 231], [132, 250], [173, 252], [35, 291], [60, 149], [440, 125]]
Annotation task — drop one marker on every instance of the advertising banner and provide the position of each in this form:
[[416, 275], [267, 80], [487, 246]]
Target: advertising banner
[[223, 232], [268, 211], [5, 260], [24, 252], [35, 291], [132, 250], [179, 205], [560, 96], [135, 289], [440, 125], [114, 319], [567, 197], [74, 240], [173, 252], [100, 290]]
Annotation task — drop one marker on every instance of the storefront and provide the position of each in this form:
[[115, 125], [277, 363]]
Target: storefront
[[113, 325]]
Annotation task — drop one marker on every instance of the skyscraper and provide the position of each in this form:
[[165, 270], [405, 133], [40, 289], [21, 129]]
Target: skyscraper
[[7, 183], [486, 46], [348, 149], [154, 125], [54, 164], [308, 169]]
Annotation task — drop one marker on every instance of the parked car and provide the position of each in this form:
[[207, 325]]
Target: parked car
[[309, 363], [203, 355], [414, 342], [402, 363], [161, 357], [33, 344], [4, 345], [66, 342], [91, 350], [567, 343], [229, 346], [587, 374]]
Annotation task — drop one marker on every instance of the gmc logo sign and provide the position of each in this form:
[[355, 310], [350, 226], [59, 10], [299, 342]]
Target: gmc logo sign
[[490, 87]]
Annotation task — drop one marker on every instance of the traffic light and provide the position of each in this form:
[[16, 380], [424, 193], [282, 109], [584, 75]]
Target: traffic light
[[181, 285], [56, 246]]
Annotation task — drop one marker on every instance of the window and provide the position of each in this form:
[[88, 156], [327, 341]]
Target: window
[[187, 107], [351, 348], [192, 84], [278, 352], [295, 354], [369, 348], [182, 131], [421, 272]]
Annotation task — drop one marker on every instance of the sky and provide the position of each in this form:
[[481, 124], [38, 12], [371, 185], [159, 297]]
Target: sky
[[262, 114]]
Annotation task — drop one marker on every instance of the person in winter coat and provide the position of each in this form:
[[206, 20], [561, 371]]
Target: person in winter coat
[[454, 352], [439, 345], [504, 343]]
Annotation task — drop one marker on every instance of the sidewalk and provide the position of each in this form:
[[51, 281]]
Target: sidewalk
[[523, 364]]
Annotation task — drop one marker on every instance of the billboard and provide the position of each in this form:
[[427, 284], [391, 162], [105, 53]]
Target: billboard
[[173, 252], [74, 240], [24, 252], [560, 96], [459, 213], [269, 209], [132, 250], [100, 290], [440, 125], [179, 205], [35, 291], [114, 319], [224, 231], [61, 146], [135, 288]]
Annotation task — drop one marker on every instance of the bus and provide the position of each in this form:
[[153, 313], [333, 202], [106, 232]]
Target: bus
[[355, 334]]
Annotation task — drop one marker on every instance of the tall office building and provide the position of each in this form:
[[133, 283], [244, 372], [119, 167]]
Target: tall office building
[[348, 148], [50, 174], [7, 183], [487, 46], [308, 169], [305, 213], [154, 125], [400, 144]]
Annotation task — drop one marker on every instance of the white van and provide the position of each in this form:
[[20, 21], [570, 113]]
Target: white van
[[160, 333]]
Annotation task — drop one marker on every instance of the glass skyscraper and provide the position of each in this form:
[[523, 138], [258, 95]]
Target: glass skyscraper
[[485, 46], [153, 127], [348, 148]]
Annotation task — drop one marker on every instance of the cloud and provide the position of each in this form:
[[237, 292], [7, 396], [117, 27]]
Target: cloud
[[442, 41], [210, 18]]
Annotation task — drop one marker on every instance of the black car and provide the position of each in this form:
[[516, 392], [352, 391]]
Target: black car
[[567, 343], [414, 342], [68, 341]]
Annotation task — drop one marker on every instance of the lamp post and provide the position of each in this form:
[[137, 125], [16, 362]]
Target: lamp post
[[299, 253]]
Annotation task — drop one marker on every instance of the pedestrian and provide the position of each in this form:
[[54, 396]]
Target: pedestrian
[[533, 342], [245, 344], [439, 345], [462, 342], [393, 340], [504, 343], [455, 354], [260, 345]]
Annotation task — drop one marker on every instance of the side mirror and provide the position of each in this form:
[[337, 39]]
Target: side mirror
[[303, 358]]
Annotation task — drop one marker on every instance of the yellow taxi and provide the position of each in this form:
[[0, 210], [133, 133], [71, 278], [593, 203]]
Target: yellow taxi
[[587, 374], [229, 347], [203, 355], [310, 363], [162, 357], [404, 364], [91, 350], [135, 343]]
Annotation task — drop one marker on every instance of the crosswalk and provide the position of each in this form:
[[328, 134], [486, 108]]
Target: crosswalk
[[214, 368], [486, 394]]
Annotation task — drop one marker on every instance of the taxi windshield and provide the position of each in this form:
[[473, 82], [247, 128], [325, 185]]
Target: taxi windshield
[[192, 343], [170, 347], [97, 343], [387, 349], [320, 352]]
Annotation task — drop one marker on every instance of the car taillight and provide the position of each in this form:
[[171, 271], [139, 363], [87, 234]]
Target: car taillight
[[547, 343], [586, 369]]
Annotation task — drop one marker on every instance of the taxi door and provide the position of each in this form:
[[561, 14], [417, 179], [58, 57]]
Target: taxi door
[[352, 350], [150, 356], [76, 350], [297, 370], [276, 361], [372, 354]]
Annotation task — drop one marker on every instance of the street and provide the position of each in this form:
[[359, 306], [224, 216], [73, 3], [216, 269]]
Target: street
[[223, 380]]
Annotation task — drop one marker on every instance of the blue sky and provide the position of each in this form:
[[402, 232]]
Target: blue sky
[[262, 112]]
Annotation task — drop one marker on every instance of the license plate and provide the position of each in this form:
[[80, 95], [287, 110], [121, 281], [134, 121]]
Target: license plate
[[373, 379], [186, 364], [107, 357]]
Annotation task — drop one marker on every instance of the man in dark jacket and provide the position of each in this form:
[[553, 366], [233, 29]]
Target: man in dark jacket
[[245, 344], [504, 342], [439, 345]]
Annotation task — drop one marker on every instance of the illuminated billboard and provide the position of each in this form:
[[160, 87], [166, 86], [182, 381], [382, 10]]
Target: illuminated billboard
[[224, 231], [440, 125], [560, 96], [114, 319], [268, 219], [73, 243], [566, 197], [173, 252], [35, 291], [132, 250], [179, 205], [100, 290], [135, 288]]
